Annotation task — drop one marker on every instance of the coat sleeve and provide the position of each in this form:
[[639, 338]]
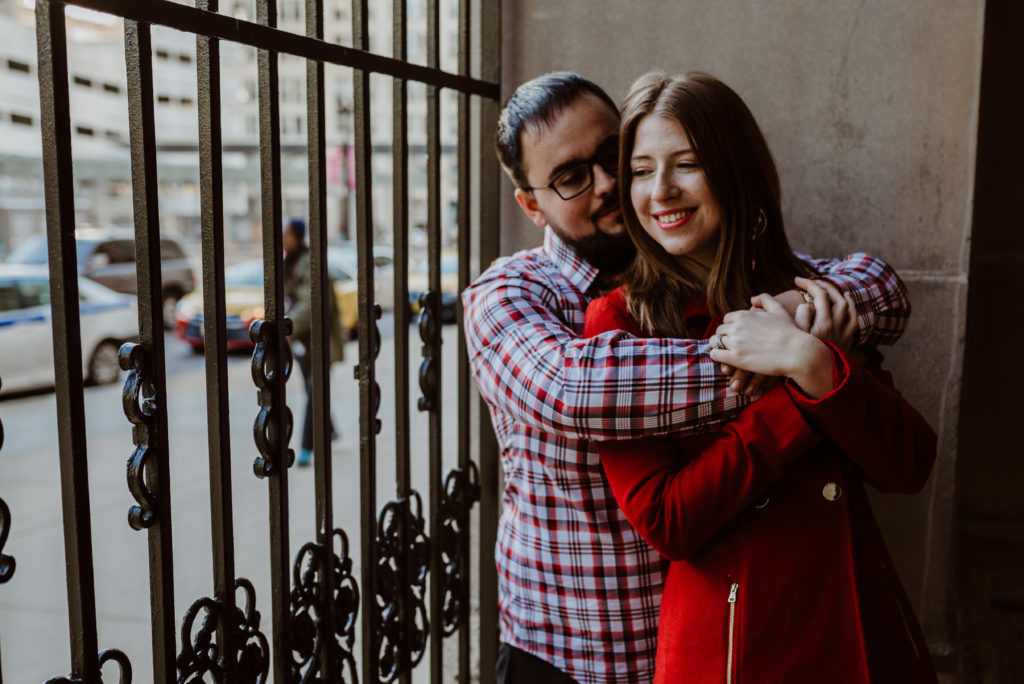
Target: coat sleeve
[[532, 362], [680, 493], [872, 424], [882, 304]]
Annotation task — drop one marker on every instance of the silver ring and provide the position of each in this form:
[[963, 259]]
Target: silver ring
[[716, 341]]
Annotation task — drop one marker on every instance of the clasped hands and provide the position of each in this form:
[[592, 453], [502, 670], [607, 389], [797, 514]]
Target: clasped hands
[[780, 336]]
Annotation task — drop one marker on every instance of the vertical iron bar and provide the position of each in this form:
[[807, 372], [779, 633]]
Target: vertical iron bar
[[463, 378], [67, 344], [366, 369], [142, 130], [211, 189], [400, 240], [320, 344], [436, 487], [273, 306], [488, 246]]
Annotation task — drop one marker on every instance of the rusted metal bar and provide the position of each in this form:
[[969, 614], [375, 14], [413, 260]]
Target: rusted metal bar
[[488, 247], [67, 345], [400, 240], [432, 343], [369, 344], [154, 443], [264, 37], [278, 420]]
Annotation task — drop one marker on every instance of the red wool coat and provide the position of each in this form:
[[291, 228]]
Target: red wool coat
[[779, 572]]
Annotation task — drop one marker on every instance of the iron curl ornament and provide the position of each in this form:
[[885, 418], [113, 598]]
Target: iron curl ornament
[[374, 352], [308, 608], [429, 382], [461, 491], [402, 566], [7, 563], [140, 406], [266, 367], [124, 669], [201, 655]]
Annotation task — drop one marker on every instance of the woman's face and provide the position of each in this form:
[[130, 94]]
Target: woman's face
[[669, 193]]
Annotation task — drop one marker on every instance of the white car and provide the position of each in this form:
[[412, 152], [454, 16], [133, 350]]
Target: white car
[[345, 256], [108, 319]]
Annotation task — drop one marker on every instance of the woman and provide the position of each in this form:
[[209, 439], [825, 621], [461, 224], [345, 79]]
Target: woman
[[779, 571]]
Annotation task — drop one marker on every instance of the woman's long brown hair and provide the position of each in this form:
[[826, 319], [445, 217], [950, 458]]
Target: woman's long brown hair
[[741, 174]]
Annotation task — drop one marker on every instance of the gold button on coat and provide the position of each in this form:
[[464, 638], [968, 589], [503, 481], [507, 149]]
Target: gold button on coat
[[831, 491]]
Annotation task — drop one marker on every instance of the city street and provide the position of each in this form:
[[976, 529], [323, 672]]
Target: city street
[[33, 605]]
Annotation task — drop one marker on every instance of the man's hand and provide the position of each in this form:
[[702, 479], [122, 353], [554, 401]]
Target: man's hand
[[840, 326]]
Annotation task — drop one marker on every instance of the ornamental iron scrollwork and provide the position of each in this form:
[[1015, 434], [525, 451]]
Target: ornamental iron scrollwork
[[265, 368], [7, 563], [201, 655], [110, 655], [139, 402], [461, 491], [308, 607], [402, 568], [374, 352], [428, 367]]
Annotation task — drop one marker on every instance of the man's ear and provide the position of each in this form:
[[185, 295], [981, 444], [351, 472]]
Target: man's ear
[[528, 203]]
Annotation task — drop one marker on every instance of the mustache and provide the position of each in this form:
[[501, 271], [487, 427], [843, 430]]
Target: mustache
[[612, 202]]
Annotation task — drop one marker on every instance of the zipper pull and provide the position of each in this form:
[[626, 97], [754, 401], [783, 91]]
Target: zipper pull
[[732, 592]]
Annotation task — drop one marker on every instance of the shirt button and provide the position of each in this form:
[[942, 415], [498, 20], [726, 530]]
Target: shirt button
[[831, 491]]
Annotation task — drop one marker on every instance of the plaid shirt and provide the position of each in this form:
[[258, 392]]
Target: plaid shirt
[[577, 586]]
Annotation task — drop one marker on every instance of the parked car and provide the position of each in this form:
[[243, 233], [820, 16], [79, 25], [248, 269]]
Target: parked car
[[419, 284], [345, 256], [108, 319], [108, 257], [243, 302]]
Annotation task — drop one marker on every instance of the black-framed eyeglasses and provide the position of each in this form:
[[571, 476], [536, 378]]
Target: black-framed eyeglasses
[[576, 179]]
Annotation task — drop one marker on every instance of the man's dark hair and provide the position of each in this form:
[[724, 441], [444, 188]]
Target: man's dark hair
[[298, 228], [536, 103]]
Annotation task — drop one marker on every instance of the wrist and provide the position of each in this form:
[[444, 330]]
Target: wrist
[[812, 369]]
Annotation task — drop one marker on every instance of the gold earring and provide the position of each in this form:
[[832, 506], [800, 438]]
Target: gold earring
[[759, 228]]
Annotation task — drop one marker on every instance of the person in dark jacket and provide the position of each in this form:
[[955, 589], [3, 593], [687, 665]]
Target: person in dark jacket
[[298, 298]]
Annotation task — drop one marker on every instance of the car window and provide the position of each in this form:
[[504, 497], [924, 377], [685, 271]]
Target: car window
[[118, 251], [10, 300], [34, 291], [169, 249], [339, 274], [31, 250]]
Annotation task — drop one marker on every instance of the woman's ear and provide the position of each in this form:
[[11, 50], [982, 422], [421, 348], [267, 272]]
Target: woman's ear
[[528, 203]]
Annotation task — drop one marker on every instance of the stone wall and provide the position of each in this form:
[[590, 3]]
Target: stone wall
[[871, 110]]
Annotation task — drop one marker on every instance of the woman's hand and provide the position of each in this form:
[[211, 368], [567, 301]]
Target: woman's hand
[[839, 326], [765, 340]]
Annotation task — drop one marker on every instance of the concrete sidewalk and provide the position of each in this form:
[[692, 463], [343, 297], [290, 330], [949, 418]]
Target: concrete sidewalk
[[34, 643]]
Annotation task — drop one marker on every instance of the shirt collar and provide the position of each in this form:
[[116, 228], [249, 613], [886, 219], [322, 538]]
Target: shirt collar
[[579, 272]]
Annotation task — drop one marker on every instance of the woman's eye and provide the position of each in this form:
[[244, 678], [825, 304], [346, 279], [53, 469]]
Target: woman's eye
[[637, 173], [688, 165]]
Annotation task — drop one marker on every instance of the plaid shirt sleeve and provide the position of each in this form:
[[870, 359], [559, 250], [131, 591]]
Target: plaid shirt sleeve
[[532, 363], [883, 306]]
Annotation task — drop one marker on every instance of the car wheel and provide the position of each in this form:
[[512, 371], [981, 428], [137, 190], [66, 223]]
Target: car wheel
[[170, 303], [103, 367]]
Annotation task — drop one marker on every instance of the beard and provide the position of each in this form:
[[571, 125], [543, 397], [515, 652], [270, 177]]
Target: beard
[[609, 253]]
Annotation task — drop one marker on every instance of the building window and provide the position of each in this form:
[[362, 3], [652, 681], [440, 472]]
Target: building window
[[185, 59], [21, 119], [83, 81], [15, 65], [111, 88], [84, 130], [163, 99], [113, 136]]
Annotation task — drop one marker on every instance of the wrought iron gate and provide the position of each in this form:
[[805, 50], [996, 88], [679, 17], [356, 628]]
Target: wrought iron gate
[[407, 589]]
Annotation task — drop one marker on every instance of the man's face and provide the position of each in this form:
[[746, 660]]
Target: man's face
[[591, 222], [289, 241]]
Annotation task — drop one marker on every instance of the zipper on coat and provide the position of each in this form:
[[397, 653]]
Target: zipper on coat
[[730, 645]]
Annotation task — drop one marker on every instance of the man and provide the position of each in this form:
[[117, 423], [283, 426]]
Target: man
[[579, 590], [298, 298]]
